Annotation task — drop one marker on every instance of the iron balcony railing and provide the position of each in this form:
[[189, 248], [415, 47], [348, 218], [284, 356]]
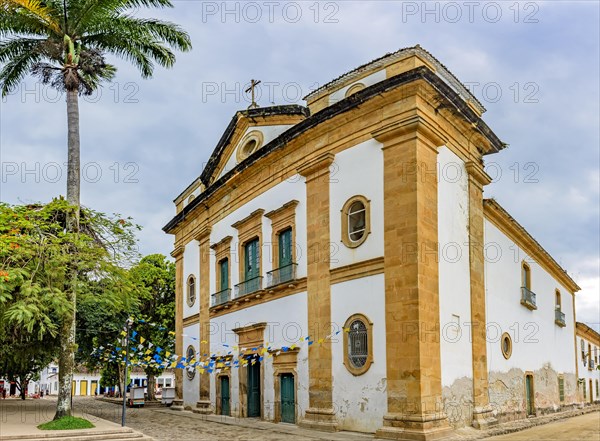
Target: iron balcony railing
[[221, 297], [248, 286], [528, 298], [282, 275], [559, 318]]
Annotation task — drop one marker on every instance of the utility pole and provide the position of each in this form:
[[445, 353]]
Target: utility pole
[[127, 324]]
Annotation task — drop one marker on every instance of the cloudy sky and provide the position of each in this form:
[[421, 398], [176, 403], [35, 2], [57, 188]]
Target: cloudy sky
[[534, 65]]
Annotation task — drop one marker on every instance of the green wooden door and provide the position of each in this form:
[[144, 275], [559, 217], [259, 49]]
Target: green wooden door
[[254, 390], [225, 394], [251, 260], [224, 270], [529, 393], [288, 402]]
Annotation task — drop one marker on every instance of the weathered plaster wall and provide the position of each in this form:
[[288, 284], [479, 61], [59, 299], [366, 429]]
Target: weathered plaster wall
[[538, 344], [454, 288], [191, 392], [360, 401]]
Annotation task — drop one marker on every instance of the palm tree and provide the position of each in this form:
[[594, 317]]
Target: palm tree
[[64, 43]]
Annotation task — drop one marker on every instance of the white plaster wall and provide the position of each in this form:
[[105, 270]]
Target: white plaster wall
[[276, 197], [583, 370], [454, 271], [269, 134], [537, 340], [369, 80], [191, 391], [357, 171], [361, 401], [286, 322], [191, 265]]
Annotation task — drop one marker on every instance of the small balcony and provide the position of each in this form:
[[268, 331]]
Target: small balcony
[[221, 297], [282, 275], [559, 318], [248, 286], [528, 298]]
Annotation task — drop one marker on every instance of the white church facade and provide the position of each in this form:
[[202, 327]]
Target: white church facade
[[364, 213]]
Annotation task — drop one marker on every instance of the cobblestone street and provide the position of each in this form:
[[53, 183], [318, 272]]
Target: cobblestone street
[[167, 425]]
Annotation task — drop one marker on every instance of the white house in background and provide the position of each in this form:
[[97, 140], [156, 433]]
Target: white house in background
[[88, 383], [364, 212], [588, 356]]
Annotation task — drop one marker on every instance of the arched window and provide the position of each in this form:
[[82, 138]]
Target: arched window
[[356, 222], [191, 291], [191, 198], [525, 276], [354, 88], [506, 345], [358, 344], [190, 356], [558, 301]]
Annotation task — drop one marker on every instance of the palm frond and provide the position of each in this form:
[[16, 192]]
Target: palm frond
[[34, 9], [16, 69]]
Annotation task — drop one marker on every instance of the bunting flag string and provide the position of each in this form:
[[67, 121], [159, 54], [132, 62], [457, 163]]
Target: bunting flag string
[[151, 355]]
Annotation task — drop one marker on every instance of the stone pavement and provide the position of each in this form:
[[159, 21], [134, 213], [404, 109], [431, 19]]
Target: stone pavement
[[168, 425], [19, 420], [580, 428]]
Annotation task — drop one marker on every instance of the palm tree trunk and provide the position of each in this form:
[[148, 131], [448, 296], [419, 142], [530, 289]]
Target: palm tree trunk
[[66, 360]]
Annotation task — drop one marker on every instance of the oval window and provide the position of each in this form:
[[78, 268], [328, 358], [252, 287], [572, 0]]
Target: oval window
[[506, 345], [355, 221]]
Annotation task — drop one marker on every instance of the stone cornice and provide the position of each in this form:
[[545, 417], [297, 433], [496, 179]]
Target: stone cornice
[[477, 173], [316, 167], [291, 205], [223, 242], [509, 226], [583, 330], [408, 128], [203, 233], [255, 215], [177, 252]]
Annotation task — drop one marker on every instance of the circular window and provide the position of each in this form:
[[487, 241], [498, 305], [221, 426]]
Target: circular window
[[190, 355], [249, 144], [191, 291], [506, 345]]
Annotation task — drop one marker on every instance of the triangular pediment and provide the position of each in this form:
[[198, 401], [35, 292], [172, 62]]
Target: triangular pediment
[[248, 131]]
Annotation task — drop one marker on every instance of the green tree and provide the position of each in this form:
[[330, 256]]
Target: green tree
[[37, 254], [64, 43], [154, 279]]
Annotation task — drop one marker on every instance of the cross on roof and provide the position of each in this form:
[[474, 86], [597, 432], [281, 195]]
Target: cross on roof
[[253, 84]]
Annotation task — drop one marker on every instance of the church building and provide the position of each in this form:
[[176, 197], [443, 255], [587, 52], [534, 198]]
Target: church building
[[340, 266]]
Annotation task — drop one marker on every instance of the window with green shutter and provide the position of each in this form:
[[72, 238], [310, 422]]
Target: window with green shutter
[[251, 260], [285, 248], [561, 388], [224, 274]]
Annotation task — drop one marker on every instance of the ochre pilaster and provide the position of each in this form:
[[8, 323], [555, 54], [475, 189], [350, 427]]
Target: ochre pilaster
[[414, 389], [482, 412], [320, 414], [203, 238], [177, 254]]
